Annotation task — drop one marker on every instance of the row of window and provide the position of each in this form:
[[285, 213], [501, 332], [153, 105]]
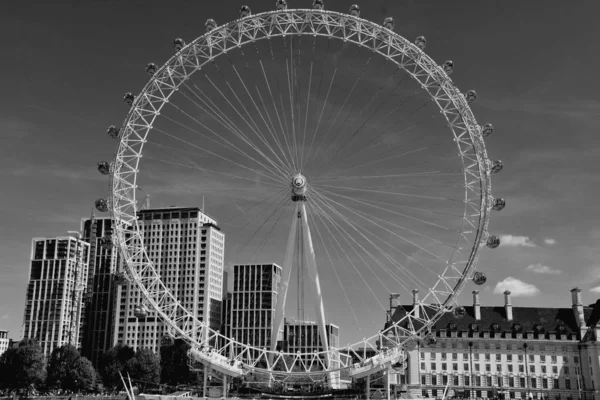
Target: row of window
[[499, 368], [499, 381], [498, 357], [505, 346]]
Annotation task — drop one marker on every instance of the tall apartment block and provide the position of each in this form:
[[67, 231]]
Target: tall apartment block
[[303, 336], [57, 281], [101, 288], [255, 288], [186, 247], [4, 342]]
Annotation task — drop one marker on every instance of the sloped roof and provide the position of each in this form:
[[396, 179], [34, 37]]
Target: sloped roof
[[548, 319]]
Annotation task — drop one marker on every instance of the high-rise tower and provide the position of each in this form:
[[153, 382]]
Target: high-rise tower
[[57, 280], [100, 299], [186, 247]]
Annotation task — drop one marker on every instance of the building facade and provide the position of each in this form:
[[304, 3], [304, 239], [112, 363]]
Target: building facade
[[253, 299], [57, 281], [101, 288], [4, 341], [522, 352], [303, 336], [187, 249]]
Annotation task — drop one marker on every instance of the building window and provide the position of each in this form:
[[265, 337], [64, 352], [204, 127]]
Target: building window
[[566, 369], [511, 381], [465, 366], [422, 366], [444, 367], [556, 384], [554, 369], [509, 357], [522, 382], [433, 366], [533, 383], [543, 369], [454, 367], [521, 368], [423, 380], [454, 356], [434, 380], [531, 358], [532, 369], [510, 368], [487, 357], [498, 357], [488, 367], [567, 384], [422, 356], [545, 383], [553, 359], [477, 367], [498, 367], [542, 358], [520, 357]]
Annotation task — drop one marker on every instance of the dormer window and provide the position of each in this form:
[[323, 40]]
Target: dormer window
[[561, 328], [538, 328], [517, 327], [452, 326], [495, 327], [474, 327]]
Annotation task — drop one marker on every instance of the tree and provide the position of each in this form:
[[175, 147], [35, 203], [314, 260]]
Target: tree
[[29, 365], [67, 370], [175, 369], [113, 363], [61, 362], [82, 376], [8, 376], [144, 368]]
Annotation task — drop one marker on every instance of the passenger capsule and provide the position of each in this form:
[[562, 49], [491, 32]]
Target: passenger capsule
[[388, 23], [179, 44], [104, 167], [355, 10], [487, 130], [479, 278], [101, 205], [140, 312], [113, 131], [493, 242], [245, 11], [498, 204], [151, 69], [129, 98], [459, 312], [471, 96], [281, 5], [121, 279], [496, 166], [210, 24], [421, 42], [318, 5], [448, 67]]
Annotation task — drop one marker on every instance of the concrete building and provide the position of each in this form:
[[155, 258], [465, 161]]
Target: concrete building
[[187, 249], [255, 289], [303, 336], [57, 280], [101, 288], [4, 341], [544, 353]]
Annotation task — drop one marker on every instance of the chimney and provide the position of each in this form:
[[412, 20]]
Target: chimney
[[508, 305], [578, 307], [394, 301], [476, 305], [417, 312]]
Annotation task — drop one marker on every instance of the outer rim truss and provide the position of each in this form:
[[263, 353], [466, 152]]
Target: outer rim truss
[[431, 77]]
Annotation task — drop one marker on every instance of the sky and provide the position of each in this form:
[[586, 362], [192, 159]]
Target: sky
[[67, 65]]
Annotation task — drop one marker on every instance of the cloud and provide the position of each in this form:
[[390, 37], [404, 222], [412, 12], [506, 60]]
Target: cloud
[[515, 241], [595, 289], [5, 316], [517, 287], [549, 241], [543, 269]]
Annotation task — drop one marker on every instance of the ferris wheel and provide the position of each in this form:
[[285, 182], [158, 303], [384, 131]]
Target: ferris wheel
[[326, 144]]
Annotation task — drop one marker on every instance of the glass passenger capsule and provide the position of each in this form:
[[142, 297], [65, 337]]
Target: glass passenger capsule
[[104, 167], [479, 278], [388, 23], [354, 10], [487, 130], [448, 67], [245, 11], [471, 96], [113, 132], [140, 312], [421, 42], [496, 166], [210, 24], [101, 205], [281, 5], [498, 204], [493, 242], [318, 5], [459, 312], [179, 44], [151, 69], [129, 98]]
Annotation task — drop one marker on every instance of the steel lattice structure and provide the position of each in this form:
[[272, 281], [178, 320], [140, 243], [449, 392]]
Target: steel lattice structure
[[433, 79]]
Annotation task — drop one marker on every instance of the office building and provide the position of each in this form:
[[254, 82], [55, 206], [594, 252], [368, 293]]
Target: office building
[[186, 248], [57, 281], [100, 298], [4, 341], [544, 353], [255, 288]]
